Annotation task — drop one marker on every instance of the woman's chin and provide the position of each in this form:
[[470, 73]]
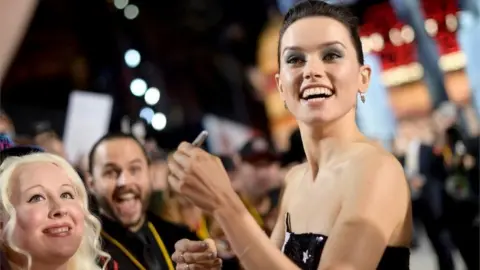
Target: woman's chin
[[315, 119], [320, 116]]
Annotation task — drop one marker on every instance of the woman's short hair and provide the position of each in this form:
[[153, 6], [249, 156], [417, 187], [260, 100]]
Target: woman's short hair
[[89, 253]]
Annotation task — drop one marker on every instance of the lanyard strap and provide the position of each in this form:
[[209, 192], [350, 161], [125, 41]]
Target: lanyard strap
[[202, 229], [253, 211], [132, 258]]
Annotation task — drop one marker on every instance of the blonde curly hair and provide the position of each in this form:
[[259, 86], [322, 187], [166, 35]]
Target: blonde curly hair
[[89, 252]]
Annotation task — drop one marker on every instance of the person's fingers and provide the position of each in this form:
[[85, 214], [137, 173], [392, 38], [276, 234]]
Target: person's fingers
[[175, 168], [211, 264], [186, 266], [211, 244], [174, 182], [207, 265], [182, 266], [198, 257], [185, 148], [181, 159], [186, 245], [217, 263], [177, 257], [197, 246], [182, 245]]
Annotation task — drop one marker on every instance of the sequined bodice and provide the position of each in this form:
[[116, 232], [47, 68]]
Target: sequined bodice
[[305, 250]]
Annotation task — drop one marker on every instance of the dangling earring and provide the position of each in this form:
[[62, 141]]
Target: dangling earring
[[362, 97], [285, 105]]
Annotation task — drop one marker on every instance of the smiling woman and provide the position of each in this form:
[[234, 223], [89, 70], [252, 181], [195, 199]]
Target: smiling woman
[[44, 205], [348, 206]]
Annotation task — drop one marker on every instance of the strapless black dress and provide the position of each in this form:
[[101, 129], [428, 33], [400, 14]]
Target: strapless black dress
[[305, 250]]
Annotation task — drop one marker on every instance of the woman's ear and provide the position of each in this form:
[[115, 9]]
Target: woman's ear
[[278, 82], [364, 78]]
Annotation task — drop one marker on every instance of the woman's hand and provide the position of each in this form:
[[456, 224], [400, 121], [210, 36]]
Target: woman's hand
[[200, 177], [190, 255]]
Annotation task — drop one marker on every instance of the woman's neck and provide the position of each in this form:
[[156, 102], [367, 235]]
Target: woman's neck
[[39, 266], [18, 261], [42, 266], [323, 142]]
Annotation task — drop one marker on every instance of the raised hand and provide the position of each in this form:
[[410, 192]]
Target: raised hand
[[199, 176]]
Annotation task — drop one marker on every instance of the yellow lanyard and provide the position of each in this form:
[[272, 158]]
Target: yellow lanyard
[[253, 211], [202, 230], [127, 253], [447, 154]]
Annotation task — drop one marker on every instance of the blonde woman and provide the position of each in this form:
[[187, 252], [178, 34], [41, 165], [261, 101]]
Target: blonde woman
[[44, 217]]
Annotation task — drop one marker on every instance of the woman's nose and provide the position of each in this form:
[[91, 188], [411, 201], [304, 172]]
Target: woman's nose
[[58, 212], [313, 70]]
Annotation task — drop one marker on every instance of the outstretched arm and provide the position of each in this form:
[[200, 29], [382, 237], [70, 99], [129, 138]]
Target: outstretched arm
[[14, 18]]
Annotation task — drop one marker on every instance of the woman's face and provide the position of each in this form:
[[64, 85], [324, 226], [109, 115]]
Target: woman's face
[[320, 76], [50, 216]]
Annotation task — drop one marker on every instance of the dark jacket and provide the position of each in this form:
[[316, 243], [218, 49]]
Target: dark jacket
[[131, 251]]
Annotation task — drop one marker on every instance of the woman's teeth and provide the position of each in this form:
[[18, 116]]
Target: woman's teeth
[[317, 92], [57, 230]]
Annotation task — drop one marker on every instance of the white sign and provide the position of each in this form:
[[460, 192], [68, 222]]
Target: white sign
[[225, 137], [88, 119]]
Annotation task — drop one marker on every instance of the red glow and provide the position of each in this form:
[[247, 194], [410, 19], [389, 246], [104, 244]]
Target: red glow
[[394, 56]]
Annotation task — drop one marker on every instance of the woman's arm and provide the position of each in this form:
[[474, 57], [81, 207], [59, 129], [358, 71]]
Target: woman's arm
[[249, 241], [14, 18], [290, 184], [375, 204]]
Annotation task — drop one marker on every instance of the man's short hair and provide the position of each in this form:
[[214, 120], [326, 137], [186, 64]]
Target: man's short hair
[[109, 137]]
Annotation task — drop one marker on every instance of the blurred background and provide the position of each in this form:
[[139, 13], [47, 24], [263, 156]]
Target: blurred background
[[165, 70]]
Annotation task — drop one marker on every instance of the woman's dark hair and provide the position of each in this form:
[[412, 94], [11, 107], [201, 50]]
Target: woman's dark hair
[[313, 8]]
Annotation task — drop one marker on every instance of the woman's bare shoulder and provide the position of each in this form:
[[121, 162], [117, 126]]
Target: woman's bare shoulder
[[376, 164], [380, 156], [295, 173], [293, 179]]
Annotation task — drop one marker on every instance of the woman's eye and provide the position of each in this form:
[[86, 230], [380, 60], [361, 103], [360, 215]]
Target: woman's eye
[[331, 56], [67, 195], [294, 60], [36, 198]]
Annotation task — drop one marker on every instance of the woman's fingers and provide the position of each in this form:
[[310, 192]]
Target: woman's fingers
[[182, 160], [194, 257], [176, 169], [211, 265]]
